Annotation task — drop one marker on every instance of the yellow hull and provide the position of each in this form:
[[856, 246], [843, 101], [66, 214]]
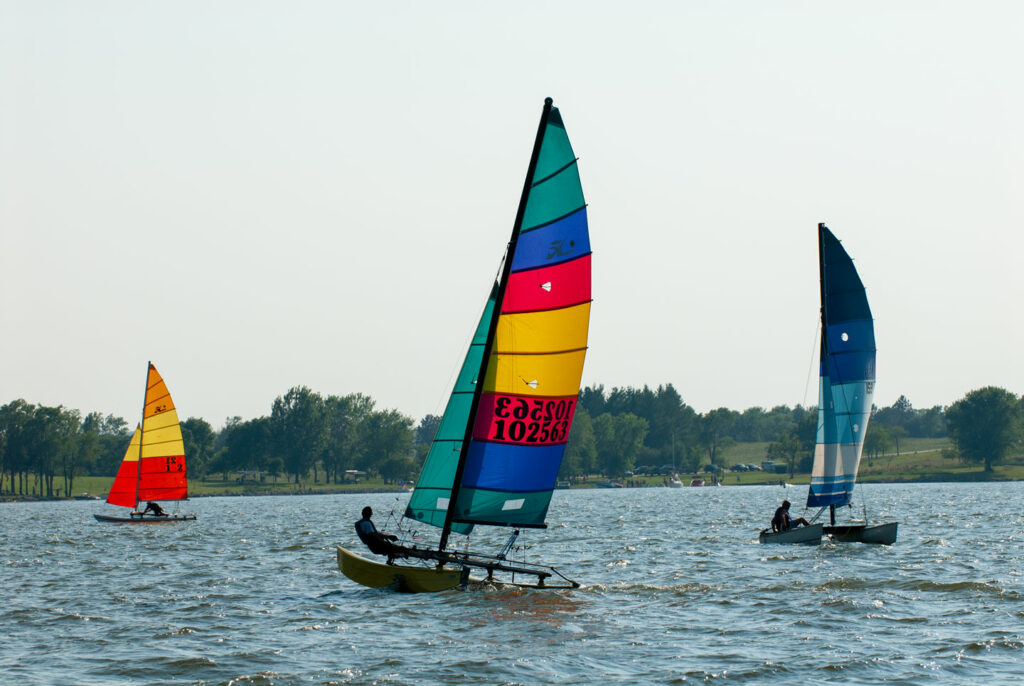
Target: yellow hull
[[403, 578]]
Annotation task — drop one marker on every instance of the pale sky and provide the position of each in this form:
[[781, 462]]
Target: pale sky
[[259, 195]]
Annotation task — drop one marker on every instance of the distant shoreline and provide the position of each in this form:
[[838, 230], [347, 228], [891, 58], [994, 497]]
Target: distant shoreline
[[8, 498]]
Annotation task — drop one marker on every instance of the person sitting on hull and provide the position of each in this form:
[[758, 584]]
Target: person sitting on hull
[[377, 542], [155, 509], [781, 521]]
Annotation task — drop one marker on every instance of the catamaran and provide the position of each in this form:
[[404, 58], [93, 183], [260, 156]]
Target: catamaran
[[845, 390], [153, 467], [495, 457]]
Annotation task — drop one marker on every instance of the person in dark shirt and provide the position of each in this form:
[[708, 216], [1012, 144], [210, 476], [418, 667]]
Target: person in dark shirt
[[155, 509], [377, 542], [782, 521]]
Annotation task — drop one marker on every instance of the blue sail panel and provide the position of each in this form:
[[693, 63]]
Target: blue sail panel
[[510, 467], [847, 381], [560, 241]]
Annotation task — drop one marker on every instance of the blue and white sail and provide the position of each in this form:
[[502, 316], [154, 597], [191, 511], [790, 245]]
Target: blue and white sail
[[847, 375]]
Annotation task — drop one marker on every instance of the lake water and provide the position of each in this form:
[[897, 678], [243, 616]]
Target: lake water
[[677, 589]]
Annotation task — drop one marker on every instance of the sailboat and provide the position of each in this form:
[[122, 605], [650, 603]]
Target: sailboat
[[846, 387], [153, 467], [496, 454]]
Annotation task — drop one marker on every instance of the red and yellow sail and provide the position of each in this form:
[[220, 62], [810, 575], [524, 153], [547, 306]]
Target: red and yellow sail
[[153, 468]]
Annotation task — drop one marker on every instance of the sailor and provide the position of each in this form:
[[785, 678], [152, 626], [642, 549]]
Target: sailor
[[377, 542], [782, 521], [155, 509]]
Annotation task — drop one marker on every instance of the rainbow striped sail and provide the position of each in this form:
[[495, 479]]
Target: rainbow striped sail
[[496, 457], [153, 467], [847, 375]]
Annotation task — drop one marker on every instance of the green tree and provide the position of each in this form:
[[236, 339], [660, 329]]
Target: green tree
[[580, 456], [397, 468], [345, 417], [985, 425], [14, 420], [385, 434], [715, 427], [200, 441], [299, 429], [247, 447], [424, 435], [619, 439], [788, 450], [877, 440]]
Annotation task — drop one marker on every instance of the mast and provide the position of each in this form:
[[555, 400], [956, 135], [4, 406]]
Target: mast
[[142, 433], [489, 345], [821, 282], [823, 355]]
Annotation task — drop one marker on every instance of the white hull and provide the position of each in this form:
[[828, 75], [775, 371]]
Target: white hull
[[806, 535]]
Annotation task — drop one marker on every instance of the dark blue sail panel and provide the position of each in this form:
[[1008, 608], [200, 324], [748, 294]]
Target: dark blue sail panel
[[563, 240], [845, 299], [512, 468], [847, 380]]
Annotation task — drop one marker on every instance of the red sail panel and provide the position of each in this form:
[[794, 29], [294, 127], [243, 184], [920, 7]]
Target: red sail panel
[[503, 418], [163, 478], [548, 288]]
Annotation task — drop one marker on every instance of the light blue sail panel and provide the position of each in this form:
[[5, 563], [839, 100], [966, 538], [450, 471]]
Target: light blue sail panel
[[847, 380], [432, 495]]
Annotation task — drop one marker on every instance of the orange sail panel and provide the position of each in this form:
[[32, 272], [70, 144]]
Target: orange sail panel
[[122, 492], [162, 474]]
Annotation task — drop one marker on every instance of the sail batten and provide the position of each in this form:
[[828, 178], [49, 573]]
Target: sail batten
[[847, 376]]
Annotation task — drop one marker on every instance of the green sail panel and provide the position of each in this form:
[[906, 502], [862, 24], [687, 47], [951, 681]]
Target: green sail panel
[[557, 197], [432, 495]]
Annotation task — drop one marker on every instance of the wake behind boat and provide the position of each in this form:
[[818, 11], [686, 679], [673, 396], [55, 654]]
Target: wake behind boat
[[153, 467], [496, 454]]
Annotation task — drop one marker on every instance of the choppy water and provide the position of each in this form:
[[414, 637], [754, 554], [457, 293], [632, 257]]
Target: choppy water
[[677, 590]]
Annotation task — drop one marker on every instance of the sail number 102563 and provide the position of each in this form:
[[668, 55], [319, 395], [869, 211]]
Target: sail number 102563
[[512, 419]]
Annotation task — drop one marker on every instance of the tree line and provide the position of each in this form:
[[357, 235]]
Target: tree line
[[329, 439]]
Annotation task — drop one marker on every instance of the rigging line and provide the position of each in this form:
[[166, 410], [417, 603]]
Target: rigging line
[[810, 366]]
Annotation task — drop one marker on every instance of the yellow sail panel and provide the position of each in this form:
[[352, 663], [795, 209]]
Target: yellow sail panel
[[158, 398], [132, 454], [162, 436], [551, 375], [544, 331]]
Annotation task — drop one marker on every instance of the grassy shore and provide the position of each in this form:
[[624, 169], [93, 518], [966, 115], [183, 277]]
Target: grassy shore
[[919, 460]]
